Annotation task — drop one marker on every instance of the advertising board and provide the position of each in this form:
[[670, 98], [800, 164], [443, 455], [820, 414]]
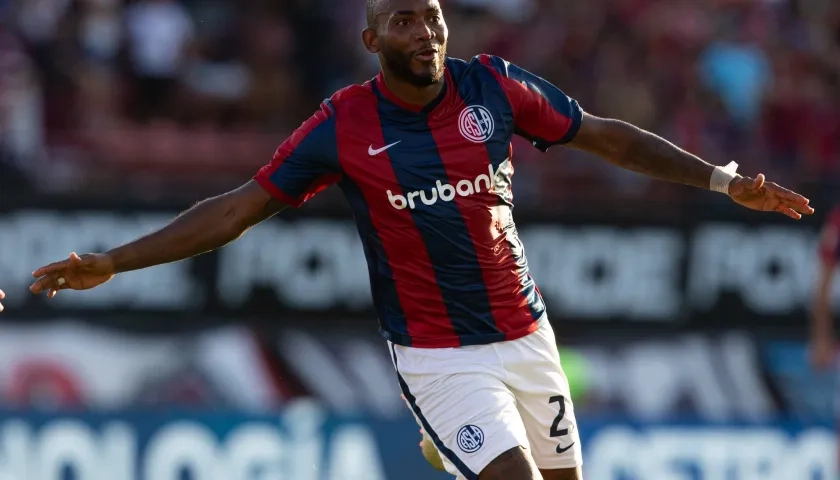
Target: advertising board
[[306, 443]]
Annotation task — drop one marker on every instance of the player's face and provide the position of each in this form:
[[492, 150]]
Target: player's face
[[413, 41]]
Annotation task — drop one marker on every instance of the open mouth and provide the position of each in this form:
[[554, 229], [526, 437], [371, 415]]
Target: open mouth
[[426, 55]]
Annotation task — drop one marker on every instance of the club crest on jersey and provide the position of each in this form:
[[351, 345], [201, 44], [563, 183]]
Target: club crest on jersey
[[476, 123], [470, 438]]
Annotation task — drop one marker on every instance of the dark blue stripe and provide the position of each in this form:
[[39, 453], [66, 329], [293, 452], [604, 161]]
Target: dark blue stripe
[[457, 69], [315, 156], [392, 323], [483, 88], [529, 290], [449, 454], [417, 165]]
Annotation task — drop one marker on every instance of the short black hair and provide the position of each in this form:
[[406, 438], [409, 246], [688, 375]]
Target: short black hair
[[373, 9]]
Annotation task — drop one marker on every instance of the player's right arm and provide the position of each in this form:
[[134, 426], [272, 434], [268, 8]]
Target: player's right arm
[[208, 225], [822, 320], [302, 166]]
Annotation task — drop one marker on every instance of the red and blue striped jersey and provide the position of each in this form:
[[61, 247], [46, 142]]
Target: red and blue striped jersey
[[430, 189]]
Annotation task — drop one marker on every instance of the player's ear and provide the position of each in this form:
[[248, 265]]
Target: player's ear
[[371, 40]]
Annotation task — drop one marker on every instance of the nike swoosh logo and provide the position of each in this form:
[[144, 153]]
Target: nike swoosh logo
[[563, 449], [377, 151]]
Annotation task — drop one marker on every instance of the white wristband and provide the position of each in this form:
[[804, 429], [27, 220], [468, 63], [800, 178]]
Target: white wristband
[[722, 177]]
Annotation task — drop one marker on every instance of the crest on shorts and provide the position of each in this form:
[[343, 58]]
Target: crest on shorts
[[470, 438], [476, 123]]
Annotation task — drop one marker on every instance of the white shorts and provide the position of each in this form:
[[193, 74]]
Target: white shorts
[[477, 402]]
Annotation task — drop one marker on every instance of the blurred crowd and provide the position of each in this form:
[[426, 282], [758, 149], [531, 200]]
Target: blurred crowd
[[139, 96]]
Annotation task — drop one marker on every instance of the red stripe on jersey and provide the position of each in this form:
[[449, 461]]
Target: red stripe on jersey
[[427, 320], [533, 112], [464, 161]]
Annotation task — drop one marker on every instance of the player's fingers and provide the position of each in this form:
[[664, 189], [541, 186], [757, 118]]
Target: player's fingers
[[791, 199], [758, 182], [803, 209], [47, 283], [788, 195], [796, 202], [785, 210], [2, 295], [40, 286], [51, 268], [57, 285], [801, 205]]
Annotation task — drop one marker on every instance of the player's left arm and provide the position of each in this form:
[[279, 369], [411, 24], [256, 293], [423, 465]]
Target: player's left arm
[[630, 147], [547, 116]]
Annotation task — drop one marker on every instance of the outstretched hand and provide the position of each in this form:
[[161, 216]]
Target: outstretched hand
[[758, 194], [75, 273]]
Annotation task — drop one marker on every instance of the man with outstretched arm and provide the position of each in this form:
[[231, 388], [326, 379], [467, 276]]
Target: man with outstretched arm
[[422, 153]]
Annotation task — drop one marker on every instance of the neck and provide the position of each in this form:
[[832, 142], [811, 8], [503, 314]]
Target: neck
[[409, 93]]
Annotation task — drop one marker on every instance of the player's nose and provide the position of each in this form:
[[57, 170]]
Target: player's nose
[[424, 32]]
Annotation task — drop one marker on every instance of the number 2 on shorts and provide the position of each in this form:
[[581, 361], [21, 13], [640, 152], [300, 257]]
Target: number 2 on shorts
[[554, 432]]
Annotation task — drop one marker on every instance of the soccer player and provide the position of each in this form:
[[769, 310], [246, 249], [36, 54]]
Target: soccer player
[[823, 339], [823, 346], [422, 154]]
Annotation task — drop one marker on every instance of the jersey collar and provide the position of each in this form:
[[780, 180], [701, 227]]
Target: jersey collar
[[382, 90]]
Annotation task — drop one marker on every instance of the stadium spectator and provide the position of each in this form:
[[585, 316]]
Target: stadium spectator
[[159, 35]]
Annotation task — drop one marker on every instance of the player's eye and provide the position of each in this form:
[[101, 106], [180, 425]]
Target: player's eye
[[402, 23], [436, 19]]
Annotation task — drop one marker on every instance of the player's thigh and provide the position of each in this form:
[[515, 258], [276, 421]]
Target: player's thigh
[[458, 398], [513, 464], [544, 400]]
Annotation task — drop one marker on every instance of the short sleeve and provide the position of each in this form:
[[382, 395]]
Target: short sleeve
[[543, 114], [306, 162]]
